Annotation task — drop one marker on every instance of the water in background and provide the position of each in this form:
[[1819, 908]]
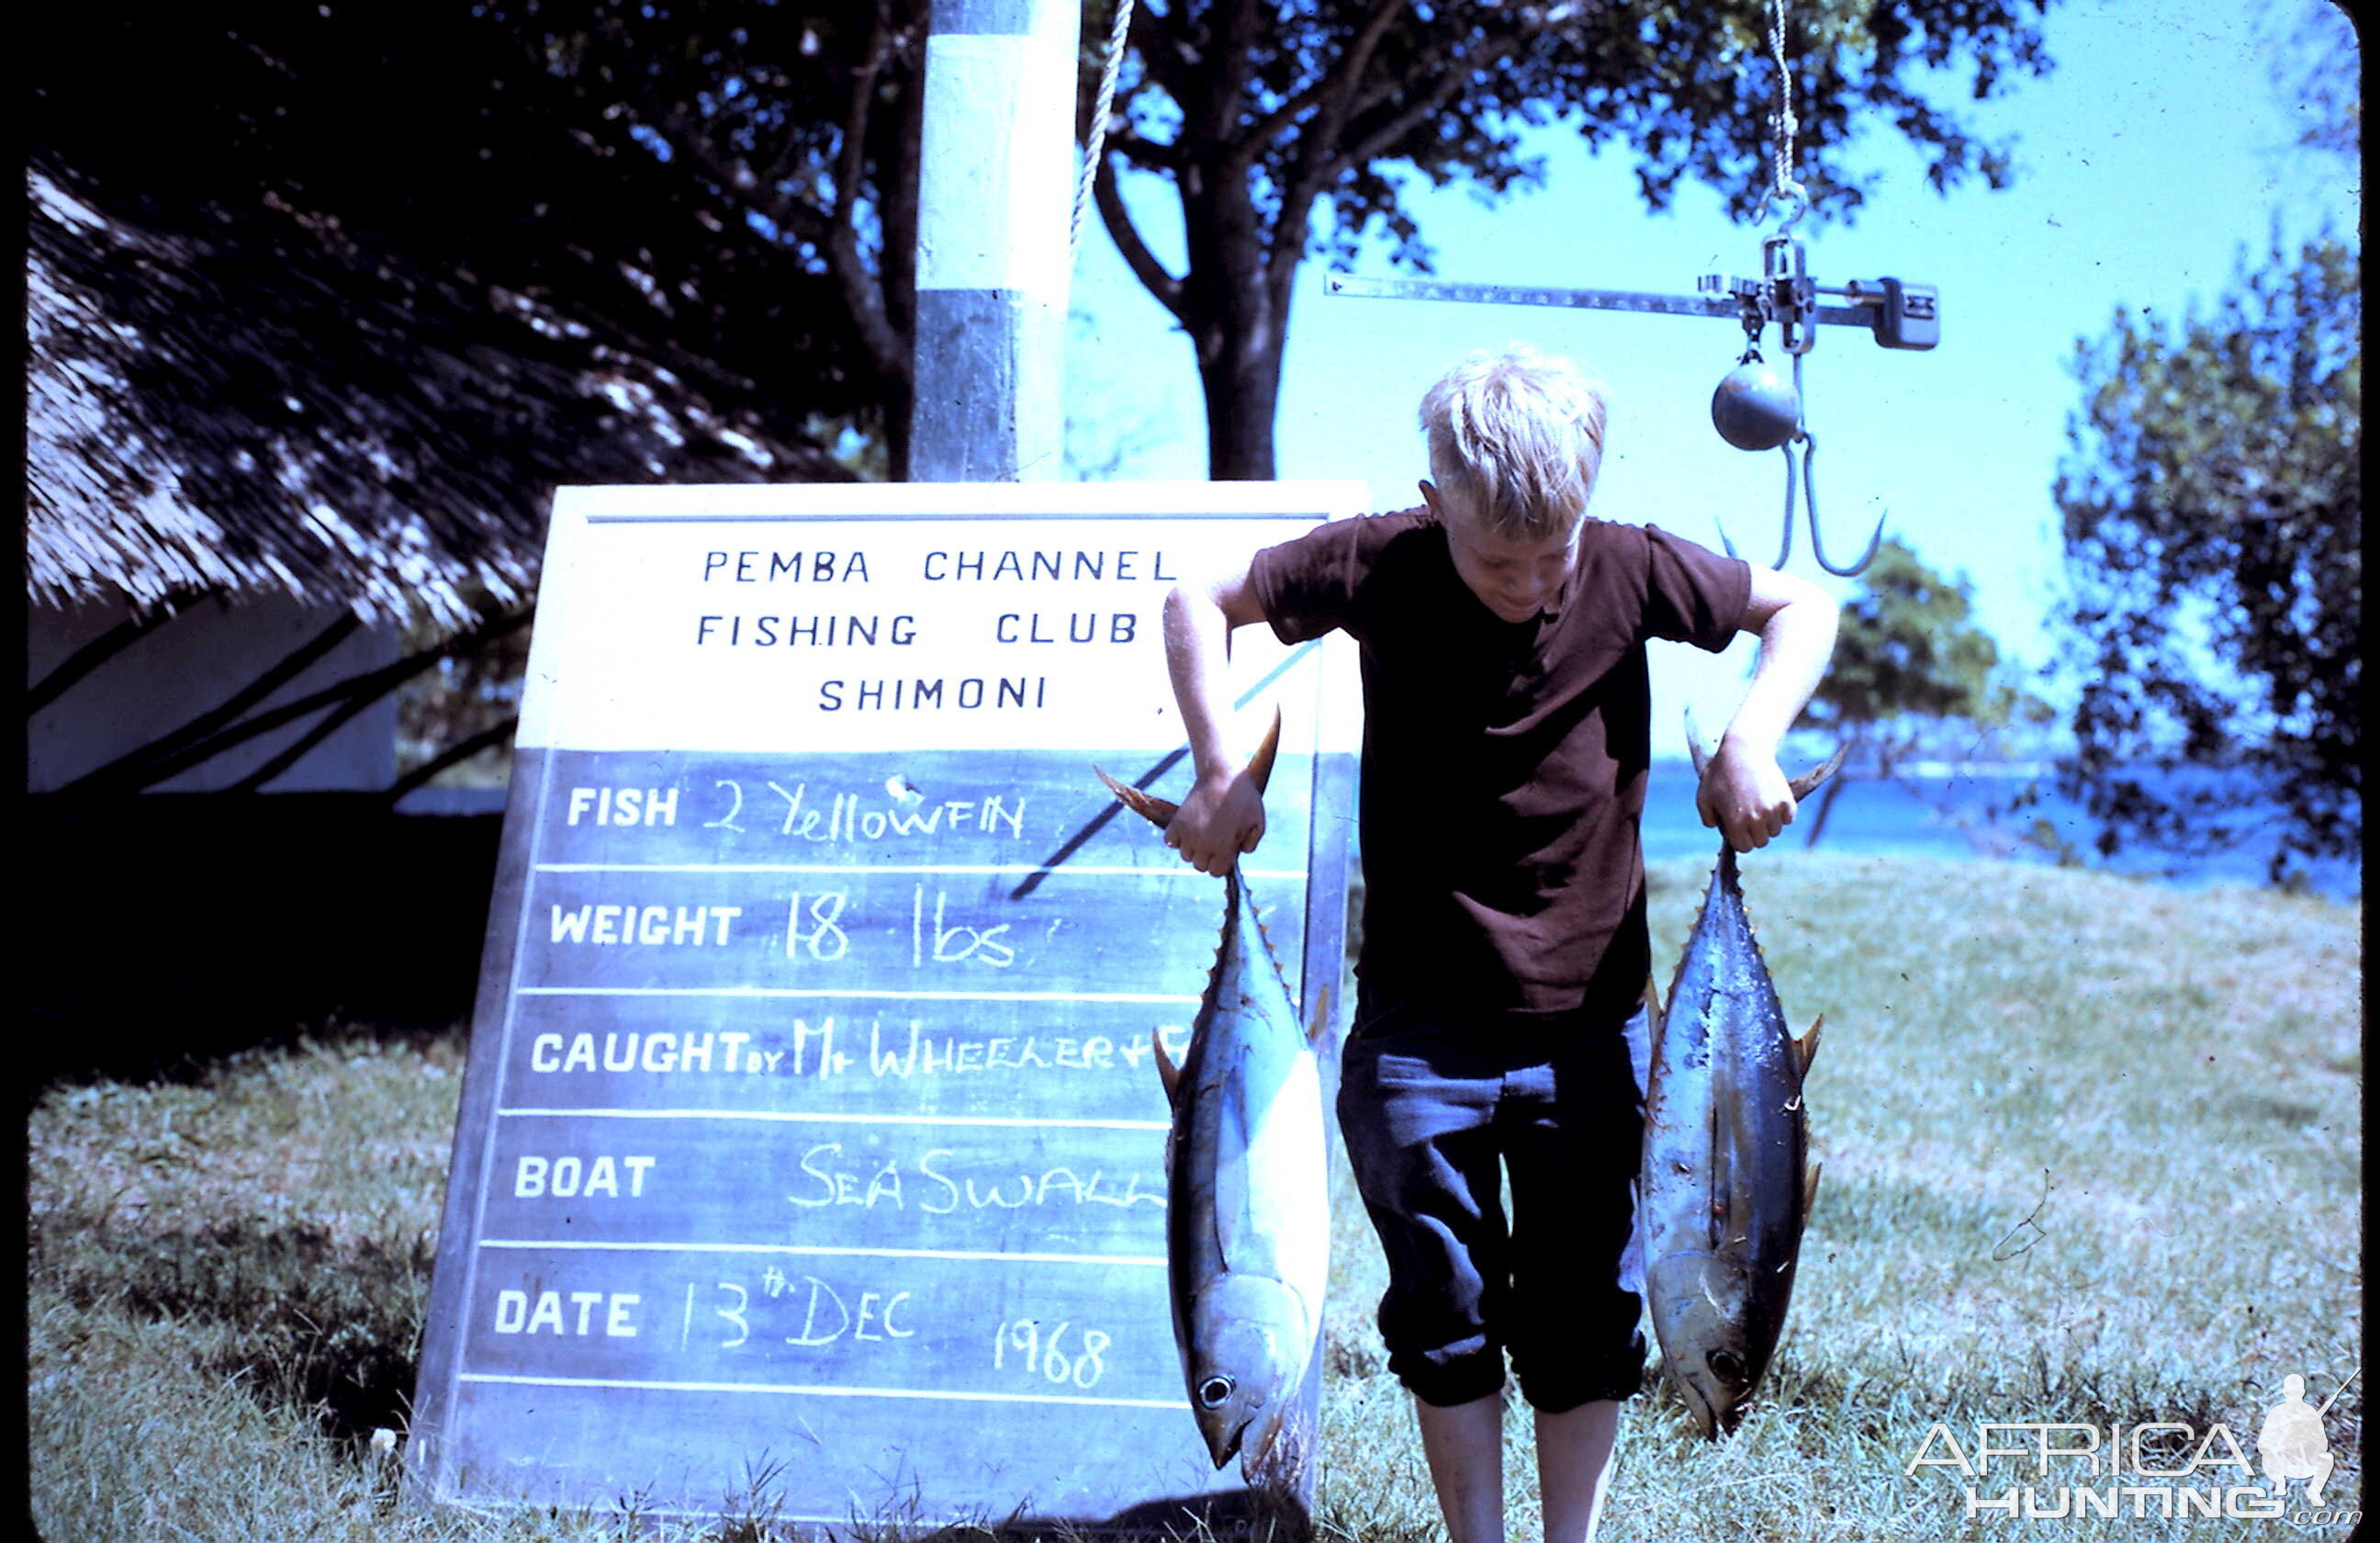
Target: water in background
[[1951, 815]]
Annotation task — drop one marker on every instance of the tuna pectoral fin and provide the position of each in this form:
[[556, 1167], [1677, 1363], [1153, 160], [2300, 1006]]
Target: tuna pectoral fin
[[1167, 1072], [1805, 1049], [1810, 1189], [1320, 1027]]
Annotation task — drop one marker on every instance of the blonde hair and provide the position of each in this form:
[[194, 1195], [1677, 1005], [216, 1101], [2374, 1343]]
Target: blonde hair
[[1516, 437]]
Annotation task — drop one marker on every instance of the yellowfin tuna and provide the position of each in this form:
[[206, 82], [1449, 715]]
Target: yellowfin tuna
[[1247, 1222], [1724, 1192]]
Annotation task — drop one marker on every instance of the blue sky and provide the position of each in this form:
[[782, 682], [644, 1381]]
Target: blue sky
[[2156, 151]]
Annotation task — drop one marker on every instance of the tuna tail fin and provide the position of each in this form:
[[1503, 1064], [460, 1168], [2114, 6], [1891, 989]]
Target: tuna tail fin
[[1260, 764], [1805, 1049], [1167, 1072], [1695, 744], [1807, 783], [1160, 813], [1803, 785]]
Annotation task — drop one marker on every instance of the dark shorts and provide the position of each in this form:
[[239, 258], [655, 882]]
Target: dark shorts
[[1432, 1106]]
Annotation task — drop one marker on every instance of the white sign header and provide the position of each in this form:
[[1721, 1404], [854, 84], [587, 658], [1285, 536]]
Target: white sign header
[[867, 616]]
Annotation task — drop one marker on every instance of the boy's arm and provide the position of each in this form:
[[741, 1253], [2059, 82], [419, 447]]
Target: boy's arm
[[1224, 815], [1744, 791]]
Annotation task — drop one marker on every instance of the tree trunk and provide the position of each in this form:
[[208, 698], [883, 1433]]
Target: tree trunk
[[1241, 381], [1236, 301]]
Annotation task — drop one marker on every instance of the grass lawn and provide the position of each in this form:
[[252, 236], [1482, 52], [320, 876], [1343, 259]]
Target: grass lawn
[[2092, 1155]]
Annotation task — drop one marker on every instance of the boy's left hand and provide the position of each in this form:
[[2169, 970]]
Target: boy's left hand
[[1744, 796]]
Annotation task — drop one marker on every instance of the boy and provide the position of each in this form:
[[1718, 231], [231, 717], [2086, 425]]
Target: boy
[[1499, 1014]]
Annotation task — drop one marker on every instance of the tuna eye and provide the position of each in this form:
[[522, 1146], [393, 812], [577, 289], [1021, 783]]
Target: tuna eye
[[1726, 1365], [1214, 1391]]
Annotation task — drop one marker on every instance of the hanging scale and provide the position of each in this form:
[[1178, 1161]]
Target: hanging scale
[[1755, 406]]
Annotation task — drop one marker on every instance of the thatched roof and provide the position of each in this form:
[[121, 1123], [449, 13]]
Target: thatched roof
[[244, 400]]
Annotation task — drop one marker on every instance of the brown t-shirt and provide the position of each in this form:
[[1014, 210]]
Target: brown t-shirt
[[1504, 762]]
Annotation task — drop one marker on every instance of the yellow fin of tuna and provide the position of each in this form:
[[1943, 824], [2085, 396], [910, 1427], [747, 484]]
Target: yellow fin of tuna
[[1810, 1189], [1807, 783], [1158, 812], [1167, 1072], [1805, 1049], [1321, 1023], [1260, 764]]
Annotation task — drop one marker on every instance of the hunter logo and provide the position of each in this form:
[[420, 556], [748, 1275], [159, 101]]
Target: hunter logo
[[2044, 1470]]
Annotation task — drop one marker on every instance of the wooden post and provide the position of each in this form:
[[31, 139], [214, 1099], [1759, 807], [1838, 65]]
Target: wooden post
[[996, 172]]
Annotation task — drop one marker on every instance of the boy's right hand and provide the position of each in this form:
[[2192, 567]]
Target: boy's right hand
[[1222, 818]]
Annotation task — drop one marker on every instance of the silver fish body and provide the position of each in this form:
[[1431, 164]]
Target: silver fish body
[[1247, 1221], [1726, 1187], [1725, 1194]]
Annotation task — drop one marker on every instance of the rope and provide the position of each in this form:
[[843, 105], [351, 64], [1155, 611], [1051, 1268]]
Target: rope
[[1093, 151], [1783, 121]]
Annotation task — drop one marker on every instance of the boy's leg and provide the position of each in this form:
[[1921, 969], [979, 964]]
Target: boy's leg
[[1417, 1105], [1574, 1459], [1575, 1343], [1464, 1443]]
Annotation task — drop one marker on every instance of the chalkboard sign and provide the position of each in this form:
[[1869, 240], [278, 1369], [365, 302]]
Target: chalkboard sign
[[811, 1158]]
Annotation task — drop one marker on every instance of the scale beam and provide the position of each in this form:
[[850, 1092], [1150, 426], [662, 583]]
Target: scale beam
[[1900, 315]]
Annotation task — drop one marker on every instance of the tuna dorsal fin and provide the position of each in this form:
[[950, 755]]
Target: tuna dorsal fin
[[1805, 1049], [1653, 1015], [1810, 1189], [1167, 1072]]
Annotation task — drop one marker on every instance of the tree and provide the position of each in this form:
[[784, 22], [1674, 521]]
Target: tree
[[2314, 50], [2214, 517], [796, 127], [1908, 659]]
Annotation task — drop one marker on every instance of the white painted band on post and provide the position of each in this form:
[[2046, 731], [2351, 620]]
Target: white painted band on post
[[996, 182]]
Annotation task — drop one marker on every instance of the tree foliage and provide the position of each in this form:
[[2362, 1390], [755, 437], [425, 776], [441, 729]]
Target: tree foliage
[[2314, 49], [2214, 514], [1909, 659], [797, 127]]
